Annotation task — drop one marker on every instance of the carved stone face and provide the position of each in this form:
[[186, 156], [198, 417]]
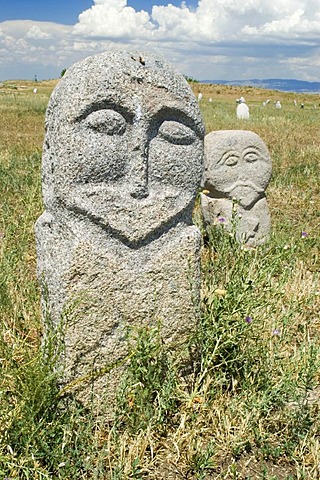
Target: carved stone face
[[237, 166], [124, 145]]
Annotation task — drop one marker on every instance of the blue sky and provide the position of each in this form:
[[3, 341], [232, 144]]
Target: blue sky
[[60, 11], [205, 39]]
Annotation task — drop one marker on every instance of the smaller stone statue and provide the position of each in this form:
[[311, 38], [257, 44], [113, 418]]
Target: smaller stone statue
[[236, 173], [242, 109]]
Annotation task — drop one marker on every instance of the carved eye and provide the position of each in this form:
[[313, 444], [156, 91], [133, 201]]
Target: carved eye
[[106, 121], [251, 156], [230, 159], [176, 133]]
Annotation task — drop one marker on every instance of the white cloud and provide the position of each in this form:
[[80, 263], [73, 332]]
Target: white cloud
[[24, 43], [217, 39], [209, 29], [36, 33], [292, 25], [113, 19], [211, 21]]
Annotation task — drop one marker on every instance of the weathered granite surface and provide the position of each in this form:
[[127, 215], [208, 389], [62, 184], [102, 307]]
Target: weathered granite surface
[[122, 163], [236, 174]]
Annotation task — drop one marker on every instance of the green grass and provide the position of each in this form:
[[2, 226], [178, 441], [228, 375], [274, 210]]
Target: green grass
[[247, 404]]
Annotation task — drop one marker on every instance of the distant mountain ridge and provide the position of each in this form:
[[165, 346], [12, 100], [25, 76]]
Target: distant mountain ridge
[[284, 84]]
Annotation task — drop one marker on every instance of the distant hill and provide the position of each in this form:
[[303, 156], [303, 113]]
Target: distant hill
[[284, 85]]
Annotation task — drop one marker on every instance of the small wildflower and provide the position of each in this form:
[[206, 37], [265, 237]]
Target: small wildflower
[[276, 331], [197, 400], [62, 464], [206, 192], [221, 219], [248, 248], [248, 319], [220, 292], [304, 234]]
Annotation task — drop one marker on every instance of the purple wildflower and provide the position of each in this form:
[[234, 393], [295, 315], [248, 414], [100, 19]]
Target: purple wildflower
[[276, 331], [221, 219], [248, 319], [304, 234]]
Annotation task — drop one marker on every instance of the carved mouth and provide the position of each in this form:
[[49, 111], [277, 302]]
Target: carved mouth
[[134, 222], [245, 193]]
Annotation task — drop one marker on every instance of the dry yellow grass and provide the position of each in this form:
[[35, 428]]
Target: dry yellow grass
[[250, 407]]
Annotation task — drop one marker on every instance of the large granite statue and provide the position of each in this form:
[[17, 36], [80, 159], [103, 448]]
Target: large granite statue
[[122, 163], [236, 173]]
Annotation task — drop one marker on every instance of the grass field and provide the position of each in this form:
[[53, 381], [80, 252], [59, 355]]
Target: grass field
[[249, 408]]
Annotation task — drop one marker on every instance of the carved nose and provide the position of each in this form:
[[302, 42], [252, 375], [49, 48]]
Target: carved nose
[[138, 187]]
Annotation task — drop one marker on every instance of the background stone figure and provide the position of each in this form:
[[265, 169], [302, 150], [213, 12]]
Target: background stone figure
[[122, 163], [242, 110], [236, 174]]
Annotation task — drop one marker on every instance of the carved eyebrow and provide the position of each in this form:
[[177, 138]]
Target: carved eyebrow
[[128, 112], [105, 104], [252, 149], [177, 115], [228, 154]]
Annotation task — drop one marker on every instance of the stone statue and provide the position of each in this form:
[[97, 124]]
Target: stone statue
[[236, 173], [122, 163], [242, 110]]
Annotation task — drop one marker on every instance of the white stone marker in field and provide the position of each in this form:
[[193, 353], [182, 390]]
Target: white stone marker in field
[[236, 174], [242, 110], [122, 163]]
